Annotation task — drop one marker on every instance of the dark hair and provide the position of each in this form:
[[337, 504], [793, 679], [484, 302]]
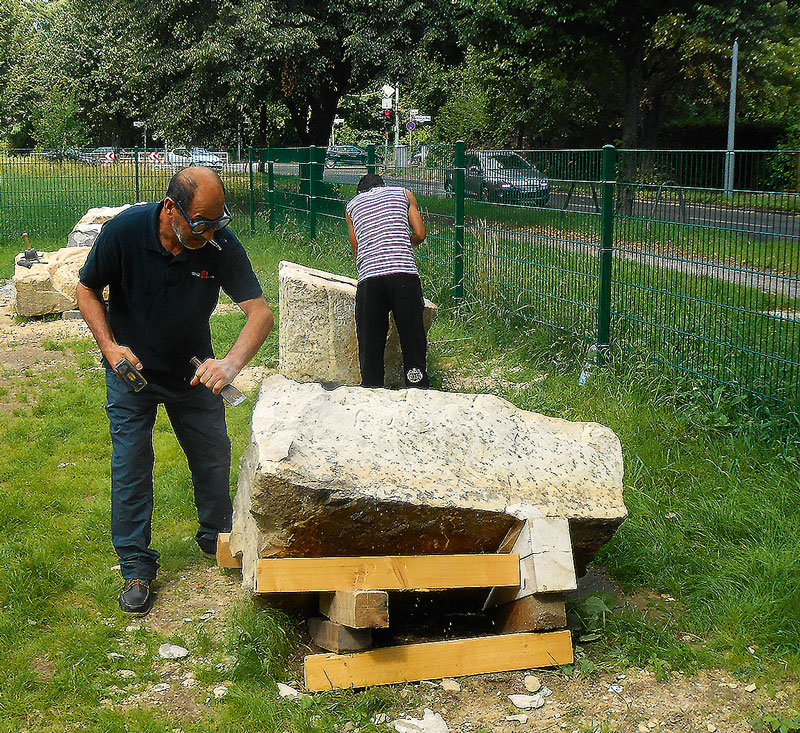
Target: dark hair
[[371, 180], [183, 186]]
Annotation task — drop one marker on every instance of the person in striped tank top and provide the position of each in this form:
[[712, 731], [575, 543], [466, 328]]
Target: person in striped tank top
[[385, 225]]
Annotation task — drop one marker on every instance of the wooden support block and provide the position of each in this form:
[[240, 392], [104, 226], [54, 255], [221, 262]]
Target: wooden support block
[[224, 557], [532, 613], [338, 638], [415, 662], [358, 609], [387, 572]]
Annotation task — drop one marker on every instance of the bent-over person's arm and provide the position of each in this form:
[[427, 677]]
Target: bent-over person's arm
[[352, 233], [415, 220]]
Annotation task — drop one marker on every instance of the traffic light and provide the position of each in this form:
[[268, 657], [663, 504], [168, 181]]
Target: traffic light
[[387, 118]]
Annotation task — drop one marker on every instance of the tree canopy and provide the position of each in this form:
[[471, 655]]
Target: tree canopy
[[506, 72]]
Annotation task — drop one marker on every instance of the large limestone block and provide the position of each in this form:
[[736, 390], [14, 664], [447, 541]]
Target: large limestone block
[[49, 286], [317, 336], [354, 471]]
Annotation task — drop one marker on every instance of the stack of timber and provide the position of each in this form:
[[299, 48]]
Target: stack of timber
[[526, 596], [357, 495]]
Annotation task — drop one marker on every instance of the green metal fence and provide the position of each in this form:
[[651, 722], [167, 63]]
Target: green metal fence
[[690, 258]]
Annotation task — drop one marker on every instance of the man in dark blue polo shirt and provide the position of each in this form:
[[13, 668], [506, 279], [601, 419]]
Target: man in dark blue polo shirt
[[164, 265]]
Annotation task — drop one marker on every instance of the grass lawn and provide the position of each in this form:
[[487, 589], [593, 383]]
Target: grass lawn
[[713, 496]]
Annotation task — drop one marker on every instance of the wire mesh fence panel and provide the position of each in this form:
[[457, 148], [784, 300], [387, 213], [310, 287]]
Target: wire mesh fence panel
[[45, 193], [711, 289], [525, 252], [706, 257], [756, 171]]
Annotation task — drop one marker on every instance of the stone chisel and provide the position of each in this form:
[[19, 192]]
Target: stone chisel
[[229, 393]]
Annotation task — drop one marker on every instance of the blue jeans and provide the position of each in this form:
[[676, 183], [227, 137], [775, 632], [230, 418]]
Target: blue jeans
[[197, 416]]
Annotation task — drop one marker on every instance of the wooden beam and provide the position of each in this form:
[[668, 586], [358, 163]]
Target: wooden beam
[[388, 572], [415, 662], [532, 613], [358, 609], [224, 557], [338, 638]]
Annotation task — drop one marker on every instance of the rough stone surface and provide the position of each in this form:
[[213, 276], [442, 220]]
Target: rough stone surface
[[83, 235], [48, 286], [317, 339], [354, 471], [89, 225]]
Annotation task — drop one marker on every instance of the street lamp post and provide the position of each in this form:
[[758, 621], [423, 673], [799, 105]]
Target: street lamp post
[[729, 154]]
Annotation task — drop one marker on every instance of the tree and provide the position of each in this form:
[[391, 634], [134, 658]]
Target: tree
[[204, 66], [634, 57]]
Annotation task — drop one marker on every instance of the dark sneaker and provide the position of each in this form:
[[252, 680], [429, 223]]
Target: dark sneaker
[[136, 596]]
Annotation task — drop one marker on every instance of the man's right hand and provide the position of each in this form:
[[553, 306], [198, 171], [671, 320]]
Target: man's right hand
[[116, 352]]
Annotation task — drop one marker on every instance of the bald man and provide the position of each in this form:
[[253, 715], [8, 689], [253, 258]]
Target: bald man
[[164, 264]]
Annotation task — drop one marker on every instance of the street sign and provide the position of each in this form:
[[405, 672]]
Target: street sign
[[338, 121], [388, 90], [139, 123], [422, 118], [414, 113], [410, 125], [386, 103]]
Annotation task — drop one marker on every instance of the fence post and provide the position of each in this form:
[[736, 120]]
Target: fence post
[[136, 169], [252, 191], [458, 242], [371, 159], [271, 188], [314, 179], [606, 253]]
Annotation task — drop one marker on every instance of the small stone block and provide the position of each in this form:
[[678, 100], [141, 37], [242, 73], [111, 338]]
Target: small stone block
[[71, 315], [337, 638]]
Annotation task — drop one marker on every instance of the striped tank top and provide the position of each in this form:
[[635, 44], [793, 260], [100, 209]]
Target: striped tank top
[[380, 222]]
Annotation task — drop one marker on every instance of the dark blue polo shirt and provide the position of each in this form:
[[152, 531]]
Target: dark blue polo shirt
[[159, 304]]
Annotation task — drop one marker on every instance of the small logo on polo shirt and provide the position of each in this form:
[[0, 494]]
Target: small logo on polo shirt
[[203, 275]]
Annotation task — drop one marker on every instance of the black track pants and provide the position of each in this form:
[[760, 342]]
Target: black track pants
[[376, 297]]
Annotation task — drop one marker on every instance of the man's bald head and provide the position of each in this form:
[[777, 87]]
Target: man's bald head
[[187, 182]]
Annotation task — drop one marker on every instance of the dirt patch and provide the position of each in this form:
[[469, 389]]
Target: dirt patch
[[189, 606], [636, 701]]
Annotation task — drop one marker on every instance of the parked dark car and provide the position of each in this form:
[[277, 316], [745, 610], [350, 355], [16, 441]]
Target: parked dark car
[[68, 154], [504, 177], [345, 155]]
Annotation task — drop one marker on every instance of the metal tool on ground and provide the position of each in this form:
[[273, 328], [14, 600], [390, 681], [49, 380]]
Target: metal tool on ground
[[229, 393], [130, 375], [30, 256]]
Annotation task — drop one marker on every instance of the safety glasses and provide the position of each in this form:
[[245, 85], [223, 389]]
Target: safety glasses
[[201, 226]]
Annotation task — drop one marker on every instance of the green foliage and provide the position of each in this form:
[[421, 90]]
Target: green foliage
[[776, 724]]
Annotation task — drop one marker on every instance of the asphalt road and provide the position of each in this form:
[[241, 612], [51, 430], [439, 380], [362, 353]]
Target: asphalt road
[[759, 224]]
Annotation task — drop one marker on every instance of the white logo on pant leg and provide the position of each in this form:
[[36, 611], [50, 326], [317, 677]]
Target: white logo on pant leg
[[414, 375]]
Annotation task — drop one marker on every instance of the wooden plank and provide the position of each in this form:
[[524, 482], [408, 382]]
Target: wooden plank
[[436, 659], [358, 609], [387, 572], [532, 613], [338, 638], [224, 557]]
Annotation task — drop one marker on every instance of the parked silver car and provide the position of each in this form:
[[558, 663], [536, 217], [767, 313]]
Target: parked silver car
[[184, 157]]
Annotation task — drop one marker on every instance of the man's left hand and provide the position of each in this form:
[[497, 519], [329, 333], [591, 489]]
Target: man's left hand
[[214, 374]]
